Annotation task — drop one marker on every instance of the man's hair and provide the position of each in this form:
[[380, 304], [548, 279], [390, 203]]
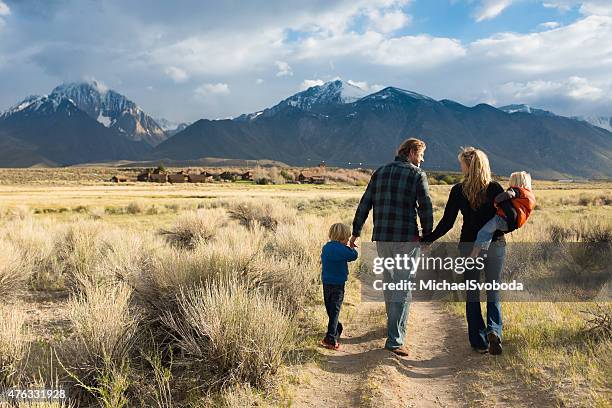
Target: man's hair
[[410, 144], [339, 232], [520, 179]]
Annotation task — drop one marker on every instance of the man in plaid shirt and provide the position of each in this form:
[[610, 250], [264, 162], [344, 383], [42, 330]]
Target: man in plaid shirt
[[397, 192]]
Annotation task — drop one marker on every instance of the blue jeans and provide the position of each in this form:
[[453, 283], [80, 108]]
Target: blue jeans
[[397, 302], [485, 235], [333, 296], [477, 331]]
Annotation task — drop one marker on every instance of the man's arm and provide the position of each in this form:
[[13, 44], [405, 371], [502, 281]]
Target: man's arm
[[425, 209], [363, 209]]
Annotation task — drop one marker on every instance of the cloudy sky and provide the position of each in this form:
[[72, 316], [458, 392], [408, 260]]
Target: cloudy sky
[[194, 59]]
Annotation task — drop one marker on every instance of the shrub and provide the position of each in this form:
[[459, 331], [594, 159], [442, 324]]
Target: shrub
[[598, 319], [267, 176], [13, 344], [80, 251], [135, 208], [594, 232], [14, 271], [232, 253], [193, 227], [268, 214], [37, 246], [96, 213], [104, 335], [290, 280], [301, 240], [231, 335], [125, 255]]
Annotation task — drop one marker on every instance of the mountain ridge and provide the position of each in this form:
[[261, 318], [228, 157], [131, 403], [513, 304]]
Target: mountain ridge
[[336, 122], [369, 129]]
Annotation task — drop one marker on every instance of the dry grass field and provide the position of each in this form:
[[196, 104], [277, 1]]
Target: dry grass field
[[199, 295]]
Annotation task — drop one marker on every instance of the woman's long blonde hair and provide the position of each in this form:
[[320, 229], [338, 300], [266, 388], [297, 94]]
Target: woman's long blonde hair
[[478, 176]]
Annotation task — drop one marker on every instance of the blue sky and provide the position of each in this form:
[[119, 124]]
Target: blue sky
[[192, 59]]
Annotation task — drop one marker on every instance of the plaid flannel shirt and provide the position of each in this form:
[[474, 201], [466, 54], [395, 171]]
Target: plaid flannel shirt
[[397, 192]]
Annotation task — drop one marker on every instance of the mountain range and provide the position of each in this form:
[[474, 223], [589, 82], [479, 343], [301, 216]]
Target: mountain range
[[336, 122]]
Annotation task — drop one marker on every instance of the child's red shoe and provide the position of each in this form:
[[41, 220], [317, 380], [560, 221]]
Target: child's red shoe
[[330, 346]]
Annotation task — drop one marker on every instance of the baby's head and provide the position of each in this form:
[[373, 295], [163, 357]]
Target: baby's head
[[340, 232], [520, 179]]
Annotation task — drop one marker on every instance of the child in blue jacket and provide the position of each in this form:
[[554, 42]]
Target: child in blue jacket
[[334, 259]]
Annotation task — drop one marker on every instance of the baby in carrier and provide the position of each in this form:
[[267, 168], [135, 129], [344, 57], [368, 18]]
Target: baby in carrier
[[523, 202]]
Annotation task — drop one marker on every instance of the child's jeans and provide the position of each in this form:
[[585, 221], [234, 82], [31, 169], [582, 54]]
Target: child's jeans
[[333, 295], [485, 235]]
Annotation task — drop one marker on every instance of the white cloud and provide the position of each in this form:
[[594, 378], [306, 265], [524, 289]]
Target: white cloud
[[491, 8], [212, 89], [583, 45], [421, 51], [217, 53], [308, 83], [283, 69], [414, 52], [4, 9], [563, 5], [597, 7], [574, 87], [365, 86], [178, 75], [387, 21], [581, 88], [549, 25], [587, 7], [259, 81]]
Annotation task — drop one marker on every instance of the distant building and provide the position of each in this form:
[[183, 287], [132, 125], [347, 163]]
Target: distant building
[[159, 178], [199, 178], [247, 175], [177, 178], [118, 179], [229, 176], [145, 176], [311, 177]]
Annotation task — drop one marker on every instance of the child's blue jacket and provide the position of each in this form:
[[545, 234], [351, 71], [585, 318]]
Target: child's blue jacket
[[334, 258]]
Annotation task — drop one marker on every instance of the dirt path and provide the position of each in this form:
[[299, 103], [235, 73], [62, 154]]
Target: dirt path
[[436, 373]]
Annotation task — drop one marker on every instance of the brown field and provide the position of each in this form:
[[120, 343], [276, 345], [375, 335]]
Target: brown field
[[193, 295]]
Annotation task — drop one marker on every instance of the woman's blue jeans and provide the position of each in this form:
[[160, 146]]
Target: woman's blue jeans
[[477, 331]]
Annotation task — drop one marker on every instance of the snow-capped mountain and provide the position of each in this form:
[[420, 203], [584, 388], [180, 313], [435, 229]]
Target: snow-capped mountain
[[335, 92], [171, 127], [604, 122], [51, 130], [326, 123], [39, 105], [522, 108], [390, 93], [113, 110]]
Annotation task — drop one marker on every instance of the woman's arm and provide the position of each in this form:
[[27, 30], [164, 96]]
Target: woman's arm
[[448, 219]]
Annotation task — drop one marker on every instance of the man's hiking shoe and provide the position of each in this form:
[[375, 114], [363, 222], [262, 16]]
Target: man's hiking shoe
[[481, 350], [400, 351], [329, 345], [495, 347]]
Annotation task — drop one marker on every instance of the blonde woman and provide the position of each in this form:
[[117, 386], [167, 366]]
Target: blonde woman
[[474, 197]]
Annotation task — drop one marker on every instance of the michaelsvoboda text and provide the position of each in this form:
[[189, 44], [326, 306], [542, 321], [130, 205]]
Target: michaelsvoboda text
[[443, 285]]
